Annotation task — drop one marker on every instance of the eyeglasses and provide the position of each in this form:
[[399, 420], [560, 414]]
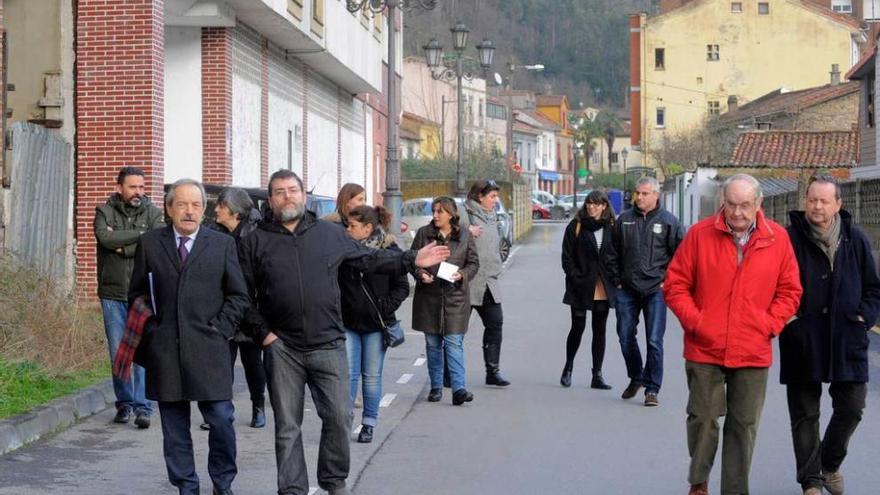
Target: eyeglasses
[[491, 185]]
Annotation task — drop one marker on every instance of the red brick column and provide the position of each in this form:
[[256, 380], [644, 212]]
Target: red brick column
[[119, 105], [217, 105], [264, 113]]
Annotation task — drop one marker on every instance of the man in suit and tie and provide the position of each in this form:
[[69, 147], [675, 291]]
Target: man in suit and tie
[[198, 293]]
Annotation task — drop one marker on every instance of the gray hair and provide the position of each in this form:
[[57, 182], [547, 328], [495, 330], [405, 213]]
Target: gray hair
[[823, 178], [169, 197], [655, 186], [748, 179], [237, 201]]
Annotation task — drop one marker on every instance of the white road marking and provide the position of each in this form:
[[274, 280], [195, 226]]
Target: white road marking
[[511, 255], [405, 378], [419, 361], [387, 399]]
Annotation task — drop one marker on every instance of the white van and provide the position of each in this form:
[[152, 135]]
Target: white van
[[546, 199]]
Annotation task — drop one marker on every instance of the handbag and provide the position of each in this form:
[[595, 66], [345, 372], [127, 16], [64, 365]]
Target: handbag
[[392, 335]]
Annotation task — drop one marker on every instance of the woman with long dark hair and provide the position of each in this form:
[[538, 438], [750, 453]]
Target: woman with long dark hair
[[588, 286], [441, 308], [369, 301]]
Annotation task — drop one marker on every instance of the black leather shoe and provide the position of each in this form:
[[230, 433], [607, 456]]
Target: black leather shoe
[[366, 434], [142, 420], [598, 382], [435, 395], [565, 379], [258, 420], [123, 415], [461, 396], [495, 378], [222, 491], [631, 390]]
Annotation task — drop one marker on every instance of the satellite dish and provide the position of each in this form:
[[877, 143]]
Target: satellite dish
[[498, 79]]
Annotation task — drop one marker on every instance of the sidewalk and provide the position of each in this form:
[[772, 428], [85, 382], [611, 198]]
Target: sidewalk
[[97, 456]]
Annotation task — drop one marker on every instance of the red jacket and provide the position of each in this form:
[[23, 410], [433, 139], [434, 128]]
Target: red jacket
[[731, 312]]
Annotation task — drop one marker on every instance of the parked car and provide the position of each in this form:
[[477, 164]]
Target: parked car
[[544, 198], [539, 212], [416, 213], [571, 202]]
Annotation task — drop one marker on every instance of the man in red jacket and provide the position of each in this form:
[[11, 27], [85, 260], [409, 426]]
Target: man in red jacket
[[733, 284]]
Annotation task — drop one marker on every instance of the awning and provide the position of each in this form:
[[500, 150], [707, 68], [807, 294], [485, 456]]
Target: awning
[[548, 175]]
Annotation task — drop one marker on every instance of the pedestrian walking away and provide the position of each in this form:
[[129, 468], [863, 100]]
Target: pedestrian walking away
[[588, 286], [827, 342], [350, 196], [441, 303], [485, 293], [192, 278], [291, 265], [237, 216], [119, 223], [645, 238], [369, 302], [736, 258]]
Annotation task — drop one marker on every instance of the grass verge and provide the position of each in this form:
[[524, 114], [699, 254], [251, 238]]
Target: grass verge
[[25, 385]]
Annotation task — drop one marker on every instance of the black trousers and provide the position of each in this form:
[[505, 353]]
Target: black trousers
[[254, 371], [575, 334], [812, 453], [493, 319]]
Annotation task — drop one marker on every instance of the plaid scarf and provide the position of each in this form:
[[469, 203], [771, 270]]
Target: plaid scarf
[[138, 314]]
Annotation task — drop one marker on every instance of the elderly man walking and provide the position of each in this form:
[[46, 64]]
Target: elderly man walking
[[738, 259], [645, 239], [194, 281], [828, 341]]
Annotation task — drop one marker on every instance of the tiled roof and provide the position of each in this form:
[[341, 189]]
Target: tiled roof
[[796, 149], [789, 102], [549, 100], [542, 119], [865, 65]]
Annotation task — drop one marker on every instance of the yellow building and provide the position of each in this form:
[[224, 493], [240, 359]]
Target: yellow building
[[686, 62], [420, 138]]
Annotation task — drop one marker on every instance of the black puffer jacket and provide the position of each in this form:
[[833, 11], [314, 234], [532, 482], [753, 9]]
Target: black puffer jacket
[[369, 300], [244, 228], [294, 279], [586, 264], [644, 244]]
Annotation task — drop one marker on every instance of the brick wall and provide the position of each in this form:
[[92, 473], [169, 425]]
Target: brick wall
[[217, 105], [119, 109]]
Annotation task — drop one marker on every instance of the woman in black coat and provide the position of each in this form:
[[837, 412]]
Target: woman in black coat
[[369, 301], [442, 308], [588, 286], [237, 216]]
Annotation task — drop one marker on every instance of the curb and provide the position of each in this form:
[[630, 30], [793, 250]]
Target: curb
[[58, 414]]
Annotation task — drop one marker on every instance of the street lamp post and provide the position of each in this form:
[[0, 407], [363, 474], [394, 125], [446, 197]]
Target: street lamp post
[[458, 67], [392, 199], [510, 112]]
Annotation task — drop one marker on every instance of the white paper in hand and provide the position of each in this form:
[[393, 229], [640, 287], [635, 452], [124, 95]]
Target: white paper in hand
[[446, 271]]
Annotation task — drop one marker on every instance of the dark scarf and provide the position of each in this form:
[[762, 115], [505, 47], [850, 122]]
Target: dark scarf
[[589, 223]]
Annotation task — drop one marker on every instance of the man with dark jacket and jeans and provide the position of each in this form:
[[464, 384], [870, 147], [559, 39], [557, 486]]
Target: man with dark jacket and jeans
[[119, 223], [827, 342], [291, 267], [645, 239]]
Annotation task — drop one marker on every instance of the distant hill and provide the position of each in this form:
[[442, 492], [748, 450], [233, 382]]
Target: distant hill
[[584, 44]]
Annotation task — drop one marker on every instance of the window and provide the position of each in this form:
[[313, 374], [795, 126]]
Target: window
[[871, 10], [763, 8], [614, 157], [659, 59], [736, 7], [295, 7], [764, 126], [699, 80], [318, 17], [495, 111], [661, 117], [843, 6], [712, 53], [714, 108]]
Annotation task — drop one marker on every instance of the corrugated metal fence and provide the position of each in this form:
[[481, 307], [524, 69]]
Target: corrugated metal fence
[[40, 191]]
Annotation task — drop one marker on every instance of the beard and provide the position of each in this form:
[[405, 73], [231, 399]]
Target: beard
[[135, 202], [291, 213]]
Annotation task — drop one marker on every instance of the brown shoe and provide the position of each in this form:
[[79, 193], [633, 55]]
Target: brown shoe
[[699, 489], [631, 390], [651, 400], [834, 482], [813, 491]]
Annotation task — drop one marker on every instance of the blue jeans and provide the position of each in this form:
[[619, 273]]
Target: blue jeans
[[128, 393], [628, 306], [452, 346], [366, 355]]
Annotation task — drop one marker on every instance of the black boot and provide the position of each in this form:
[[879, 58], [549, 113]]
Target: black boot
[[491, 355], [258, 418], [598, 382], [565, 379]]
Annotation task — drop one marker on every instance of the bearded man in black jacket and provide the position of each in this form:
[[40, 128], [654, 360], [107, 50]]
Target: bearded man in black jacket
[[291, 267]]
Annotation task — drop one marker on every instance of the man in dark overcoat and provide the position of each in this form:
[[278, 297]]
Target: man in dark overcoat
[[827, 342], [193, 278]]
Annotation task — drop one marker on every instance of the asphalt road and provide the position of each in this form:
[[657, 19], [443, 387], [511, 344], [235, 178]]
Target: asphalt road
[[534, 437]]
